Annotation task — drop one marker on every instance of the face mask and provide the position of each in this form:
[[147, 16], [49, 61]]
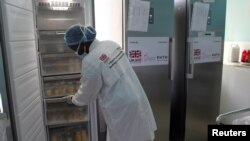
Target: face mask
[[82, 55]]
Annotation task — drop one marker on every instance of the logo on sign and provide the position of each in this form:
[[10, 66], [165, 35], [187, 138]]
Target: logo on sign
[[162, 58], [104, 57], [197, 52], [135, 54]]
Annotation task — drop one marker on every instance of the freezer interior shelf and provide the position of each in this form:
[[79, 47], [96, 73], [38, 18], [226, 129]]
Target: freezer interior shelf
[[59, 74], [63, 64], [62, 78], [52, 33], [58, 88], [52, 42], [55, 47], [49, 19], [58, 124], [61, 69], [47, 72], [53, 64], [55, 100], [53, 97], [46, 8], [63, 113], [56, 56], [63, 5], [76, 133]]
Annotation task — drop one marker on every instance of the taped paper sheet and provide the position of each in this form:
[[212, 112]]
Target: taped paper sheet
[[138, 15], [199, 16]]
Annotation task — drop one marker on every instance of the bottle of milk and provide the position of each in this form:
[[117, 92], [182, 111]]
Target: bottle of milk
[[234, 52]]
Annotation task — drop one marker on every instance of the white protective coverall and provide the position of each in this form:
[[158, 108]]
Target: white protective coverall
[[108, 75]]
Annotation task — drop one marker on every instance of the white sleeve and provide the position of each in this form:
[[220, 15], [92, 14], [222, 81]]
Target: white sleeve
[[91, 83]]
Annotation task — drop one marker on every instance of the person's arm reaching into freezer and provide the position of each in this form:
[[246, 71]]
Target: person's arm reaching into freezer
[[91, 83]]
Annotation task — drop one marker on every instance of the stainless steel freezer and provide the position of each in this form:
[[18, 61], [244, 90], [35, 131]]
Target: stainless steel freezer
[[155, 79], [182, 106], [204, 88], [60, 69]]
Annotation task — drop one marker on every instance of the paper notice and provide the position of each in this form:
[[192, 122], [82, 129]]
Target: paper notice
[[138, 16], [206, 49], [148, 51], [199, 16]]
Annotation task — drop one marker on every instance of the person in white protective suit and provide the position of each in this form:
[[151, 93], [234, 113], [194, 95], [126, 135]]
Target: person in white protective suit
[[107, 75]]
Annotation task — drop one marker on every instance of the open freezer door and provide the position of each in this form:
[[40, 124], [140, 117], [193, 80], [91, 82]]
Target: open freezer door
[[5, 123], [22, 73]]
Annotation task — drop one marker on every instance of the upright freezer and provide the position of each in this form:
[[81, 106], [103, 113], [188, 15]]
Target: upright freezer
[[60, 70], [184, 95]]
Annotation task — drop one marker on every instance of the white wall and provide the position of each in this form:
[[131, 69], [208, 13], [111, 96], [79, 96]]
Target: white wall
[[227, 47], [108, 20], [235, 93]]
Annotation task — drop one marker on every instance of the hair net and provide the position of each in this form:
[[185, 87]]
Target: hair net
[[77, 34]]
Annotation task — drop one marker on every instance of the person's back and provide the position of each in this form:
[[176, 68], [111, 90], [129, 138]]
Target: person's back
[[123, 101], [106, 73]]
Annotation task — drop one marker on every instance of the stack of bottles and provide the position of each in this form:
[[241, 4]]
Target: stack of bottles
[[69, 134]]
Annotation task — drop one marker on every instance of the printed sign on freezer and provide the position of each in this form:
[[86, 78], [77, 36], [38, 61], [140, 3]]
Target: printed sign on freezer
[[146, 51], [206, 49]]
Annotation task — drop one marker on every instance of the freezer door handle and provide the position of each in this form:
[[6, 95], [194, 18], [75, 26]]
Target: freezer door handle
[[55, 100], [51, 32], [190, 66], [60, 33], [171, 45]]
